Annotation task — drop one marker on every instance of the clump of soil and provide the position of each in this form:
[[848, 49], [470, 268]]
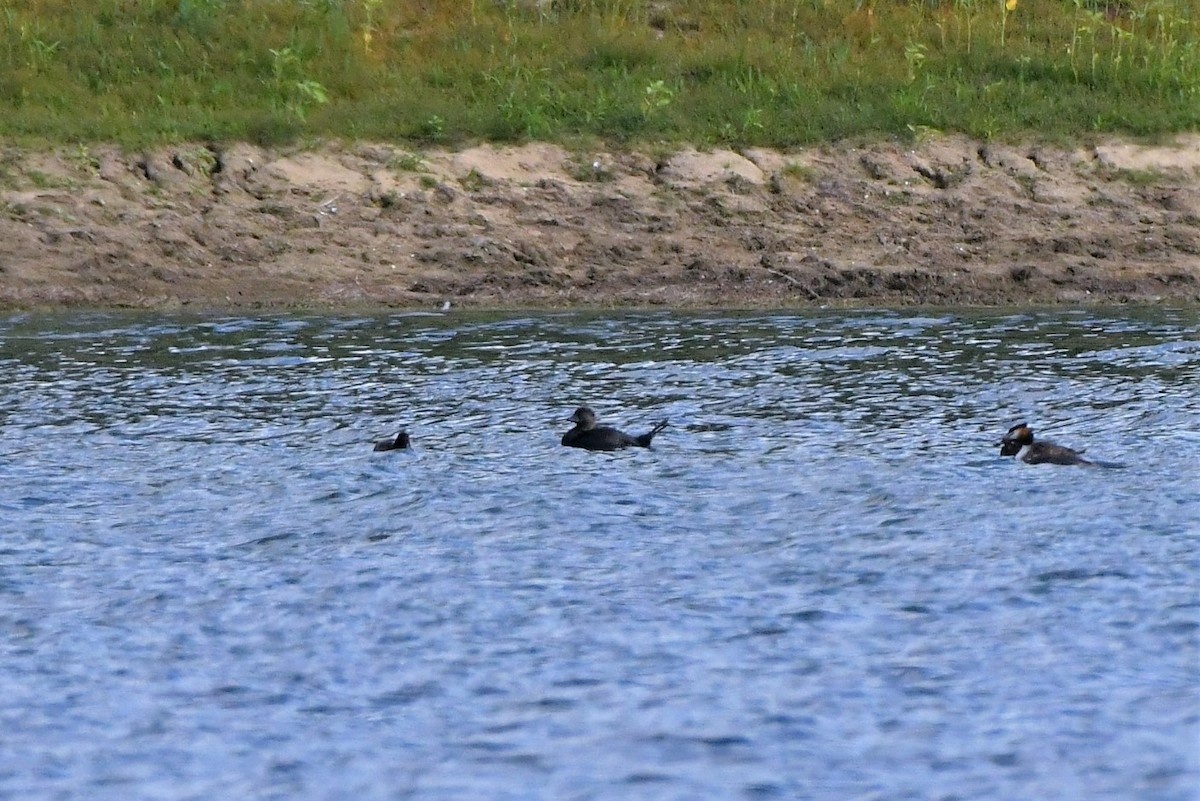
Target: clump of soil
[[950, 221]]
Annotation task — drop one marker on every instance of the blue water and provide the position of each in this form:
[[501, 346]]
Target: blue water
[[822, 582]]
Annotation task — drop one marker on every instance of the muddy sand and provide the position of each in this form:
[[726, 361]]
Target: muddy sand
[[948, 222]]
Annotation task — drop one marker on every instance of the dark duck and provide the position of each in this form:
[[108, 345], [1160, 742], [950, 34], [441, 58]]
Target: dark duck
[[586, 434], [1019, 442], [399, 443]]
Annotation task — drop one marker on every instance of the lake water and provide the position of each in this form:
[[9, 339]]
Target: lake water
[[822, 582]]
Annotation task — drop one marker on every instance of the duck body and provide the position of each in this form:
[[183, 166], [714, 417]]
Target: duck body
[[589, 436], [1019, 442], [399, 443]]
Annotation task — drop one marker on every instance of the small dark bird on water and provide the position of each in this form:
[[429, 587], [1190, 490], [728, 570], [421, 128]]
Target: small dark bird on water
[[399, 443], [1019, 442], [586, 434]]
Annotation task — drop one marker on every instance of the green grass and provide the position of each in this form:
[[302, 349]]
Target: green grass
[[1144, 178], [737, 72], [407, 162]]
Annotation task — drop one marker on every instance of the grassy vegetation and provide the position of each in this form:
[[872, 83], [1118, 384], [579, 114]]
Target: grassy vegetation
[[761, 72]]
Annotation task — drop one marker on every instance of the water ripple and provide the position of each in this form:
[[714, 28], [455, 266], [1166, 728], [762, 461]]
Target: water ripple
[[822, 582]]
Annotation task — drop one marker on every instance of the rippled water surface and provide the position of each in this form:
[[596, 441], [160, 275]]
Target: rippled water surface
[[822, 582]]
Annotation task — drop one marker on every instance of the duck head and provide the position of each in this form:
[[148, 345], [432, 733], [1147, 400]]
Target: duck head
[[1017, 437], [584, 417]]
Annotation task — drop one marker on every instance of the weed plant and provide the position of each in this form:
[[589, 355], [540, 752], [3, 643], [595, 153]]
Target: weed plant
[[737, 72]]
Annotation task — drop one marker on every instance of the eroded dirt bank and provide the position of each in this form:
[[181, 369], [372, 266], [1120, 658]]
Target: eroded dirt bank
[[950, 221]]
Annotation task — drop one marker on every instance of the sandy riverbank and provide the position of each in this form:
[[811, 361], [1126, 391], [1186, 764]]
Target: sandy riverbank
[[948, 221]]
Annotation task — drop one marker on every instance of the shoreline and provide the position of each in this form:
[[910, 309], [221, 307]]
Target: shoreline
[[948, 222]]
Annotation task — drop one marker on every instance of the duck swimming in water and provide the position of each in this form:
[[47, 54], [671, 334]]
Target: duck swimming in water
[[1019, 442], [586, 434], [399, 443]]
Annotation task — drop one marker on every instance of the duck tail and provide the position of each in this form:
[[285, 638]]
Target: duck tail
[[644, 439]]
